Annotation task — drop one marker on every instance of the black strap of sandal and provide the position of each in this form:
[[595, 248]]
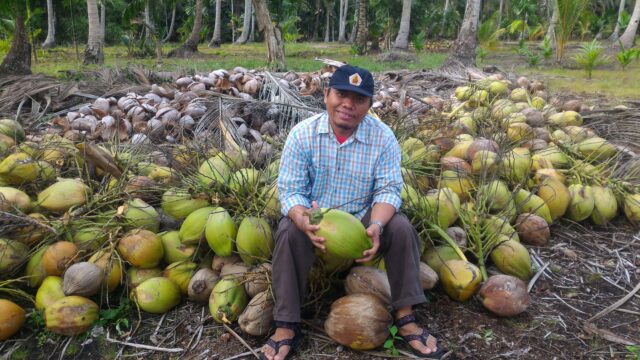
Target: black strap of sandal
[[407, 319], [288, 325]]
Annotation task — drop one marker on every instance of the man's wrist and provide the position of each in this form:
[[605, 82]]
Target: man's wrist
[[378, 223]]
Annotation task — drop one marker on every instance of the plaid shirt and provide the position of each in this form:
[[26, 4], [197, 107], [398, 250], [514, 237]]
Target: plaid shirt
[[353, 176]]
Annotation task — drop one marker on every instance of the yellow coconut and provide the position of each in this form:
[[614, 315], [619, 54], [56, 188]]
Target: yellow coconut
[[582, 202], [527, 202], [512, 258], [137, 214], [516, 165], [556, 195], [19, 168], [136, 276], [34, 271], [460, 183], [12, 318], [59, 256], [111, 266], [11, 198], [631, 206], [34, 232], [596, 149], [605, 206], [495, 194], [565, 118], [12, 129], [460, 279], [181, 273], [63, 195], [71, 315], [141, 248], [49, 292]]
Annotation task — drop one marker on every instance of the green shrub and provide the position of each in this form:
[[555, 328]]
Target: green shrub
[[625, 56], [418, 40], [590, 56], [546, 48]]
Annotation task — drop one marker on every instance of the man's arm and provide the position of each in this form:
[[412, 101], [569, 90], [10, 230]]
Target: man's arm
[[293, 181]]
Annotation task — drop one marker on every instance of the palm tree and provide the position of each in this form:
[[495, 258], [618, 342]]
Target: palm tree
[[327, 27], [93, 51], [363, 30], [174, 5], [616, 31], [272, 36], [630, 33], [402, 40], [354, 27], [342, 24], [215, 40], [464, 48], [191, 45], [50, 41], [246, 23], [568, 14], [18, 59]]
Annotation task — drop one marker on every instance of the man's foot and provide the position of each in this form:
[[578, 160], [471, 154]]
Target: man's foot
[[413, 329], [422, 343], [279, 345]]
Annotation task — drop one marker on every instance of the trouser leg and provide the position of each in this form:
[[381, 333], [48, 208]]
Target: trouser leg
[[293, 257], [401, 251]]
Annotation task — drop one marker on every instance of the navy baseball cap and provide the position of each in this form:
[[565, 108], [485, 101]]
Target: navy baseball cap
[[352, 78]]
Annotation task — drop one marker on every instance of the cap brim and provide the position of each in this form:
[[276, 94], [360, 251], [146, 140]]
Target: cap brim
[[352, 88]]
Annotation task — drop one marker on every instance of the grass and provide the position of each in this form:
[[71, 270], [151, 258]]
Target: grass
[[300, 57]]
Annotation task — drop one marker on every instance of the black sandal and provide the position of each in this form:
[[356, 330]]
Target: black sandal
[[440, 352], [292, 343]]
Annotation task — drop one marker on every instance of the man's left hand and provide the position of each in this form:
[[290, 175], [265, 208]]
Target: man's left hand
[[373, 231]]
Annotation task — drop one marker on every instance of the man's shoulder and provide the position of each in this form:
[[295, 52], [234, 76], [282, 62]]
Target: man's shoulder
[[378, 128]]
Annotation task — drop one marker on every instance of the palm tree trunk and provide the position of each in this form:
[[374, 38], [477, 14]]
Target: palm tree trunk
[[172, 25], [500, 11], [630, 33], [316, 23], [354, 27], [18, 59], [103, 20], [147, 20], [246, 24], [272, 36], [444, 16], [93, 51], [327, 25], [616, 31], [191, 45], [551, 33], [363, 30], [50, 41], [464, 48], [402, 40], [252, 34], [342, 24], [215, 40]]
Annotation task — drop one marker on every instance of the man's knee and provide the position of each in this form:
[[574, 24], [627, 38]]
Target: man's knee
[[402, 230]]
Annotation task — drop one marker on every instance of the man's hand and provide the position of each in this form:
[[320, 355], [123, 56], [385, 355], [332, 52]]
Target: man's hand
[[373, 231], [301, 220]]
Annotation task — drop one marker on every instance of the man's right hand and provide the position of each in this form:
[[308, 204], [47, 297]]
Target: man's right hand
[[300, 217]]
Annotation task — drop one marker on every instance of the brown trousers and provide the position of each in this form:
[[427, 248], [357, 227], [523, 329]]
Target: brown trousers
[[294, 255]]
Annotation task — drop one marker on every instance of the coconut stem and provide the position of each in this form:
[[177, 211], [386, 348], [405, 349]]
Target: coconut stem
[[449, 241]]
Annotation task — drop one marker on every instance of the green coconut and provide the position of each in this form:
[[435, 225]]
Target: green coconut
[[49, 292], [220, 232], [174, 249], [244, 181], [181, 273], [12, 129], [156, 295], [13, 255], [192, 229], [214, 171], [11, 198], [140, 215], [344, 234], [227, 300], [254, 240], [512, 258], [34, 271], [136, 276], [179, 203], [19, 168], [496, 194], [527, 202]]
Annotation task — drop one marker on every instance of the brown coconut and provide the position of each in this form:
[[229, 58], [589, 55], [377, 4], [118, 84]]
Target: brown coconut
[[258, 279], [58, 257], [458, 235], [236, 270], [481, 144], [455, 164], [201, 285], [532, 229], [504, 295], [428, 277], [572, 105], [359, 321], [220, 261], [83, 279], [369, 280], [257, 317]]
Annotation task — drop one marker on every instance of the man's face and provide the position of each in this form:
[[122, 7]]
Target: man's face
[[346, 109]]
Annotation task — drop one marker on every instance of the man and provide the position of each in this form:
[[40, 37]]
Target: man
[[344, 158]]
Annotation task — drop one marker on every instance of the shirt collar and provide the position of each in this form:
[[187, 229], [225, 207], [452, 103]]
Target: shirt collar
[[362, 133]]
